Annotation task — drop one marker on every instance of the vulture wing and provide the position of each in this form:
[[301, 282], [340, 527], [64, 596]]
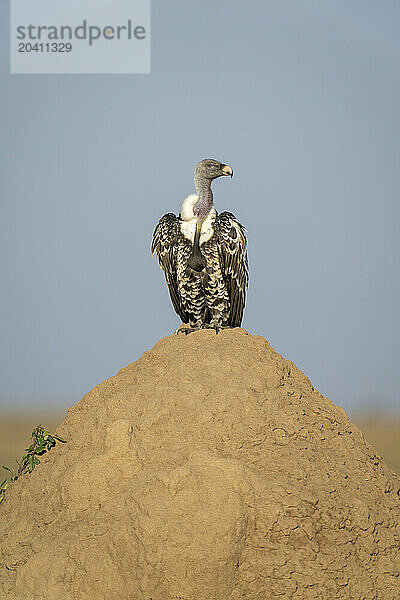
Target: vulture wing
[[165, 238], [233, 259]]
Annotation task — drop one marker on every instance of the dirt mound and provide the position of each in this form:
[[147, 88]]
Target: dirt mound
[[210, 469]]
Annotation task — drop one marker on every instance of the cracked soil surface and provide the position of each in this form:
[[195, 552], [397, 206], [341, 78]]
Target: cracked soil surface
[[209, 469]]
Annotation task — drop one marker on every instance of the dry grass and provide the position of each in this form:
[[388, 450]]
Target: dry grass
[[15, 430], [383, 433]]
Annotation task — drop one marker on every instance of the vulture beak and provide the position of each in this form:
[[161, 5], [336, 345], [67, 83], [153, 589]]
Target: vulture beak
[[227, 170]]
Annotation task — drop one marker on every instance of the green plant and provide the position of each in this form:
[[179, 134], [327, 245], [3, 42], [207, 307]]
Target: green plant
[[42, 441]]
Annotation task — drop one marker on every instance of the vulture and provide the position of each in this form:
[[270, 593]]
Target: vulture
[[203, 255]]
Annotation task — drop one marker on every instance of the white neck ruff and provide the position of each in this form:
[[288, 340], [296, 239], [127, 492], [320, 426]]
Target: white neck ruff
[[188, 224]]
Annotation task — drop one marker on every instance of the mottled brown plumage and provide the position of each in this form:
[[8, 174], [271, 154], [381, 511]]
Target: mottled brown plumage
[[203, 256]]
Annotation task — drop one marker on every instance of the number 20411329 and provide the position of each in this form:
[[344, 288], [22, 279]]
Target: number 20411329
[[47, 47]]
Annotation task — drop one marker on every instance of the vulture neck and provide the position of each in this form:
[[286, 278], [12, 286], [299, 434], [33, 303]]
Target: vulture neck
[[205, 201]]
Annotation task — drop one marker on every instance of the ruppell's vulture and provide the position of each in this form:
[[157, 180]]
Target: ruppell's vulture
[[203, 256]]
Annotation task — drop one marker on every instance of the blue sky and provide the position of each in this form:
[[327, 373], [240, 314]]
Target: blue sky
[[302, 99]]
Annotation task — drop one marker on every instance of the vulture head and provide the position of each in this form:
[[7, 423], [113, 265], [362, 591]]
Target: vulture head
[[211, 169]]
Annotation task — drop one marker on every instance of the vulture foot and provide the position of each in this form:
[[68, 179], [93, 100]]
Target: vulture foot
[[186, 330], [217, 328]]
